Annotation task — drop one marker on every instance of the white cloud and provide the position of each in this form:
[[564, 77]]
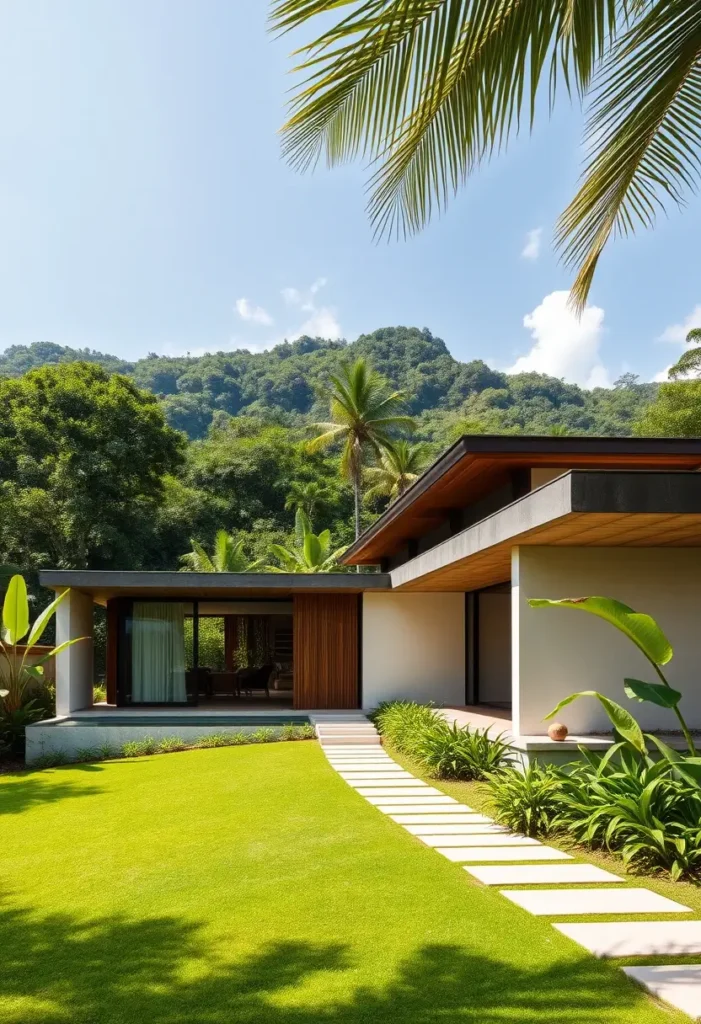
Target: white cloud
[[531, 250], [321, 322], [676, 333], [253, 314], [565, 345]]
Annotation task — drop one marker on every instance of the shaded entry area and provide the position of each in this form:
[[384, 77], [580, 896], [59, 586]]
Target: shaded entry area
[[488, 621]]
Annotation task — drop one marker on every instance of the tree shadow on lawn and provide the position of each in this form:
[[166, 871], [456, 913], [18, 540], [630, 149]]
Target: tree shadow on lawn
[[27, 791], [118, 971]]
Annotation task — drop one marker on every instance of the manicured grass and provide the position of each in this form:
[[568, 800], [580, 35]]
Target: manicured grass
[[251, 884]]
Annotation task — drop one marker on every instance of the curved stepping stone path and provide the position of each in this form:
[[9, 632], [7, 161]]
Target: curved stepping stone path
[[353, 748]]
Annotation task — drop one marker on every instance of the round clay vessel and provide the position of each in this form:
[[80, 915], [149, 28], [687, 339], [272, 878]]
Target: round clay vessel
[[558, 731]]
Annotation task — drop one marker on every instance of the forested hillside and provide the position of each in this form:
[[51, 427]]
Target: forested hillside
[[110, 464], [287, 385]]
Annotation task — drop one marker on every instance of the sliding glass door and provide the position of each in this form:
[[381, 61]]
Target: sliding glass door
[[158, 653]]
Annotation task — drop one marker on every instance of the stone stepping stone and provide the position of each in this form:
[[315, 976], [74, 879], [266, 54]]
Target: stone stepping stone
[[456, 816], [494, 837], [424, 792], [542, 874], [410, 804], [413, 785], [482, 854], [364, 766], [561, 902], [454, 850], [636, 938], [449, 829], [679, 985], [379, 773]]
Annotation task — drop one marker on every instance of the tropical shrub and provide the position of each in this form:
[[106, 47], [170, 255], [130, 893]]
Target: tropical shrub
[[526, 801], [450, 751], [445, 750], [401, 721], [628, 803], [20, 707]]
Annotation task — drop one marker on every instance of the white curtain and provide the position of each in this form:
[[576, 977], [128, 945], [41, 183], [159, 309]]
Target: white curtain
[[158, 653]]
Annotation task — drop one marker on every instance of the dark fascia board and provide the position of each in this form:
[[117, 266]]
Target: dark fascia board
[[630, 492], [96, 579], [499, 444]]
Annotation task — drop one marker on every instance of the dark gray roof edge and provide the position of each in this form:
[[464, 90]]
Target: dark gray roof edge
[[155, 579], [529, 444]]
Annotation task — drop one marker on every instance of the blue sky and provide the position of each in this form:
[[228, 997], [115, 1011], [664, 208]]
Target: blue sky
[[144, 206]]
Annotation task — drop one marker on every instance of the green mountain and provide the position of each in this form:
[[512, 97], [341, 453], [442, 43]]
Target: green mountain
[[287, 385]]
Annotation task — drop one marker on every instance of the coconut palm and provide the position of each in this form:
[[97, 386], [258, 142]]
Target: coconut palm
[[311, 553], [228, 555], [689, 362], [310, 496], [399, 466], [364, 416], [427, 90]]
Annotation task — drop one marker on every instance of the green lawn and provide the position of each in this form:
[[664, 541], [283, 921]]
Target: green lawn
[[251, 884]]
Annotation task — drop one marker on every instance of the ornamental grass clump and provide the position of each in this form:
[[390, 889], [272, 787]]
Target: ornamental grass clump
[[450, 751], [401, 722], [526, 801]]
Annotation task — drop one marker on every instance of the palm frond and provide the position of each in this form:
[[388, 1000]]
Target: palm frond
[[645, 125], [428, 88]]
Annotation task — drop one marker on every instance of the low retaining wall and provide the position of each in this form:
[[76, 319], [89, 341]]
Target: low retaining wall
[[71, 737]]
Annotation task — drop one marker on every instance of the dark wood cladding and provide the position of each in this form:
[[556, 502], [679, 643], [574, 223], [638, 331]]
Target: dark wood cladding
[[325, 651]]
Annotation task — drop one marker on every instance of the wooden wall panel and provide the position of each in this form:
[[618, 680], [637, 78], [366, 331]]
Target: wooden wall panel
[[325, 651]]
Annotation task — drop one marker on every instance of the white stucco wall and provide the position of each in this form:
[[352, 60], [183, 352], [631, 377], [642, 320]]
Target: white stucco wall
[[559, 651], [413, 648], [74, 666]]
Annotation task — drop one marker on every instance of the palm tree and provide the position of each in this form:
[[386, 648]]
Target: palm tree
[[364, 415], [689, 362], [309, 496], [228, 556], [427, 90], [311, 553], [399, 466]]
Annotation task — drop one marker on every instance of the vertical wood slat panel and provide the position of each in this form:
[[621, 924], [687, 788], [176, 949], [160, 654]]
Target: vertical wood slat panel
[[325, 651]]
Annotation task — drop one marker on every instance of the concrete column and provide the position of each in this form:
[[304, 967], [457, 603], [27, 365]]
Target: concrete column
[[516, 641], [74, 666]]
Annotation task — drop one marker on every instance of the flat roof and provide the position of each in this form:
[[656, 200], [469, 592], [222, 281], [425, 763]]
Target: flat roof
[[579, 509], [104, 584], [480, 463]]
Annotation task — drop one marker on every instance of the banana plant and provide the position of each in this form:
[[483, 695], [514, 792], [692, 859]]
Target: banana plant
[[311, 553], [649, 638], [15, 672]]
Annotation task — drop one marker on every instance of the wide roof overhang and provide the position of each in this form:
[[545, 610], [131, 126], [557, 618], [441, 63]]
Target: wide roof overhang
[[103, 585], [578, 509], [477, 465]]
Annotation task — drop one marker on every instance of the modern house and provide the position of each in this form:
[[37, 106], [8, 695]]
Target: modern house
[[493, 522]]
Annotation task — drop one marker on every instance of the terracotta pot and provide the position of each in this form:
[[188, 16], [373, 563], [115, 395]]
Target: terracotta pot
[[558, 731]]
